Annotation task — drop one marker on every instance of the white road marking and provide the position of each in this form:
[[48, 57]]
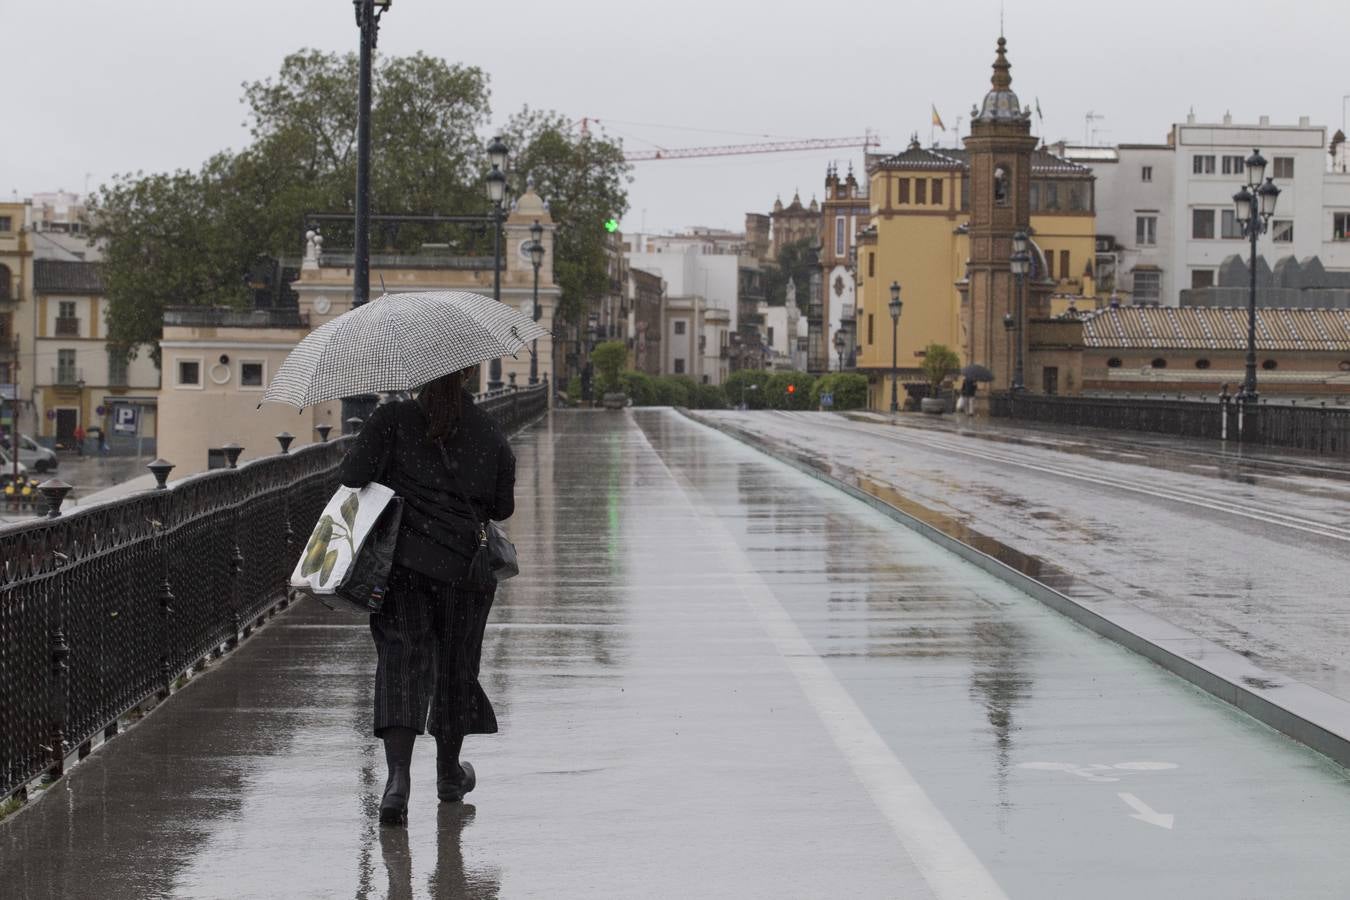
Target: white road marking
[[1145, 813], [947, 864], [1099, 771]]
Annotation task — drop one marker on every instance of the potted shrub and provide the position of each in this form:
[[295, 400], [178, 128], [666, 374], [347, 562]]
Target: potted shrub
[[939, 362], [609, 359]]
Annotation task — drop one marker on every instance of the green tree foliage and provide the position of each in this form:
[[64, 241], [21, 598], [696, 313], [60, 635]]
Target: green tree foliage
[[583, 178], [797, 262], [186, 238], [849, 390], [608, 359], [939, 361]]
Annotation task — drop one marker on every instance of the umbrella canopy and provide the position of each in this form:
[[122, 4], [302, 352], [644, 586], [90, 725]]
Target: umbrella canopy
[[398, 343], [977, 372]]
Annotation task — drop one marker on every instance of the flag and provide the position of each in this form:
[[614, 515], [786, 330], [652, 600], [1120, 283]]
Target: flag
[[937, 120]]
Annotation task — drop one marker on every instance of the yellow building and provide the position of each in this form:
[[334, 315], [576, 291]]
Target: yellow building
[[921, 204], [16, 341]]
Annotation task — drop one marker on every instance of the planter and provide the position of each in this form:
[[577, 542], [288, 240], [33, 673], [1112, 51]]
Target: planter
[[935, 406], [617, 400]]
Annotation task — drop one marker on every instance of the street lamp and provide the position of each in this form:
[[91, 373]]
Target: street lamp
[[896, 306], [536, 260], [1254, 204], [840, 345], [1020, 263], [497, 152]]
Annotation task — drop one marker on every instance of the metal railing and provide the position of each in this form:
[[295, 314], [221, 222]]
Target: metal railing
[[1310, 429], [228, 317], [104, 609], [67, 326], [67, 376]]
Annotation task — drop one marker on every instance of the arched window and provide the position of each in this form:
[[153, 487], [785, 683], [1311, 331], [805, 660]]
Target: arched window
[[1113, 362], [4, 283], [1202, 364], [1159, 363], [1269, 364]]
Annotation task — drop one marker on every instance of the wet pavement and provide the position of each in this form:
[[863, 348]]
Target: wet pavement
[[93, 478], [1252, 553], [716, 677]]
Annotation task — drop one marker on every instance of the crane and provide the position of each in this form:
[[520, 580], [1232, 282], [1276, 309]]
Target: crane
[[866, 141]]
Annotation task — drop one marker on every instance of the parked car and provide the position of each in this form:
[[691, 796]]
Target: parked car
[[7, 466], [34, 455]]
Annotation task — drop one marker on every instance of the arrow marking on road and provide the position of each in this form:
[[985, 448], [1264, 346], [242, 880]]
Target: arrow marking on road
[[1145, 813]]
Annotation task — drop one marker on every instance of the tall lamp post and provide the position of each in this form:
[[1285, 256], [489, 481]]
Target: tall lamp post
[[896, 306], [1021, 265], [536, 260], [1009, 323], [1254, 205], [496, 187], [840, 345], [368, 13]]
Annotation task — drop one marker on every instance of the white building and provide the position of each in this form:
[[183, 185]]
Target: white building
[[1165, 214], [701, 293]]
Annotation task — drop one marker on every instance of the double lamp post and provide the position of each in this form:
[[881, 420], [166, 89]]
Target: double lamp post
[[1253, 205], [895, 306]]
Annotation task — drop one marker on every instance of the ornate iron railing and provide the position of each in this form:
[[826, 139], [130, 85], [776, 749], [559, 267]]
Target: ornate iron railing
[[103, 609], [1311, 429]]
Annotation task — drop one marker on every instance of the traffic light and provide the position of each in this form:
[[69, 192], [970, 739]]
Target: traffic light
[[611, 225], [792, 389]]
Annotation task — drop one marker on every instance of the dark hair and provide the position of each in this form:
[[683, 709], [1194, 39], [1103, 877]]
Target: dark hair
[[442, 400]]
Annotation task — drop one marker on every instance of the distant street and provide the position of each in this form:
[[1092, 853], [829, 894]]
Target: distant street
[[1254, 555], [87, 475]]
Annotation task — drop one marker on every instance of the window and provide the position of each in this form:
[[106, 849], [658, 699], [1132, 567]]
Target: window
[[1340, 226], [1049, 264], [251, 374], [904, 191], [1282, 231], [1284, 167], [1234, 165], [66, 373], [920, 192], [1229, 228], [1050, 380], [1202, 364], [1050, 195], [869, 328], [1034, 196], [1202, 224], [679, 367], [1147, 286], [1064, 270], [1078, 194], [937, 191], [1202, 164], [871, 264], [1269, 365], [679, 327], [838, 235], [66, 309], [117, 369], [189, 373], [1202, 278], [1159, 363], [1113, 362], [1146, 231], [4, 283], [770, 335], [6, 223], [1146, 173]]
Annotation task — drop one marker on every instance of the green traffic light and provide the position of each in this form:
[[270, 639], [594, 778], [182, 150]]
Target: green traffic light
[[612, 225]]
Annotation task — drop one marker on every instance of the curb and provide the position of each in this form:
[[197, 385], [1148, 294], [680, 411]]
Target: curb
[[1312, 717]]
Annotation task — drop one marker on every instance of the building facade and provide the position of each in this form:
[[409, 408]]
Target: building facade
[[646, 293], [845, 212]]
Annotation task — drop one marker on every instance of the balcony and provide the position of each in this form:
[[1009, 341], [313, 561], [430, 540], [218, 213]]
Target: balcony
[[228, 317], [68, 377], [67, 326]]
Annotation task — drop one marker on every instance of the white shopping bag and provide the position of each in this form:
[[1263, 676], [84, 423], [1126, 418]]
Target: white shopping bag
[[347, 521]]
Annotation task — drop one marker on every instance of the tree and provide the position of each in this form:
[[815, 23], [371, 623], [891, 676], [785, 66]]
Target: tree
[[609, 359], [797, 262], [582, 177], [939, 361]]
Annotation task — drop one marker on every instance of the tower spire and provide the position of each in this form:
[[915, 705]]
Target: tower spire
[[1002, 78]]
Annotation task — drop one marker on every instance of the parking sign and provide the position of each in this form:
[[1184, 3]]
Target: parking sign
[[125, 419]]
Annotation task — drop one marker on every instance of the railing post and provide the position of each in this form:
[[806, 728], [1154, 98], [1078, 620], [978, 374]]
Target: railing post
[[53, 491], [161, 468], [60, 683]]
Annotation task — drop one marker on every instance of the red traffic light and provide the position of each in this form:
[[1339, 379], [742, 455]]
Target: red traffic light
[[792, 389]]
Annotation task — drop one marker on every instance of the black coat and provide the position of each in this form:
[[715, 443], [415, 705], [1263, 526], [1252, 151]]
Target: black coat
[[438, 535]]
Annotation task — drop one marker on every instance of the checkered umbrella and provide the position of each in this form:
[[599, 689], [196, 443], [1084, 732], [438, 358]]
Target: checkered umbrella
[[398, 343]]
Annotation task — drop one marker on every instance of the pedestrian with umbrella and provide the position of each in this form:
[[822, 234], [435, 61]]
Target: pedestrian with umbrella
[[972, 374], [454, 471]]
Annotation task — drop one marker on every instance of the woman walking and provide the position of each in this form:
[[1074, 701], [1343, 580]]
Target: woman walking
[[452, 467]]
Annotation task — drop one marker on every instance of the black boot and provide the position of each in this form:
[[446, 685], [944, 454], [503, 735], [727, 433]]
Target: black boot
[[398, 746], [454, 779]]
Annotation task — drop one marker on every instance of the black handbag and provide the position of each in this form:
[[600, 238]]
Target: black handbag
[[494, 557], [367, 579]]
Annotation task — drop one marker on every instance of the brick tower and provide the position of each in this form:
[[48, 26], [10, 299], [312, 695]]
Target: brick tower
[[1000, 148]]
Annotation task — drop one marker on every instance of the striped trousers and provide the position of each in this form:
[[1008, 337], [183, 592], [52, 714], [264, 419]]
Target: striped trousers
[[429, 641]]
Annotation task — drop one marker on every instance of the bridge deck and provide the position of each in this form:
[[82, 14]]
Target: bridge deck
[[716, 677]]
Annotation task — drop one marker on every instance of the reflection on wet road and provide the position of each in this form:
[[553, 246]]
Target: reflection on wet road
[[716, 678]]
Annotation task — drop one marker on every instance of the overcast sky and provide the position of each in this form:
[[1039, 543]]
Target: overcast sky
[[96, 87]]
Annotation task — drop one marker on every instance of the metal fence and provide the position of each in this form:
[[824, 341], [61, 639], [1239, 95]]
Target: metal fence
[[1311, 429], [104, 608]]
